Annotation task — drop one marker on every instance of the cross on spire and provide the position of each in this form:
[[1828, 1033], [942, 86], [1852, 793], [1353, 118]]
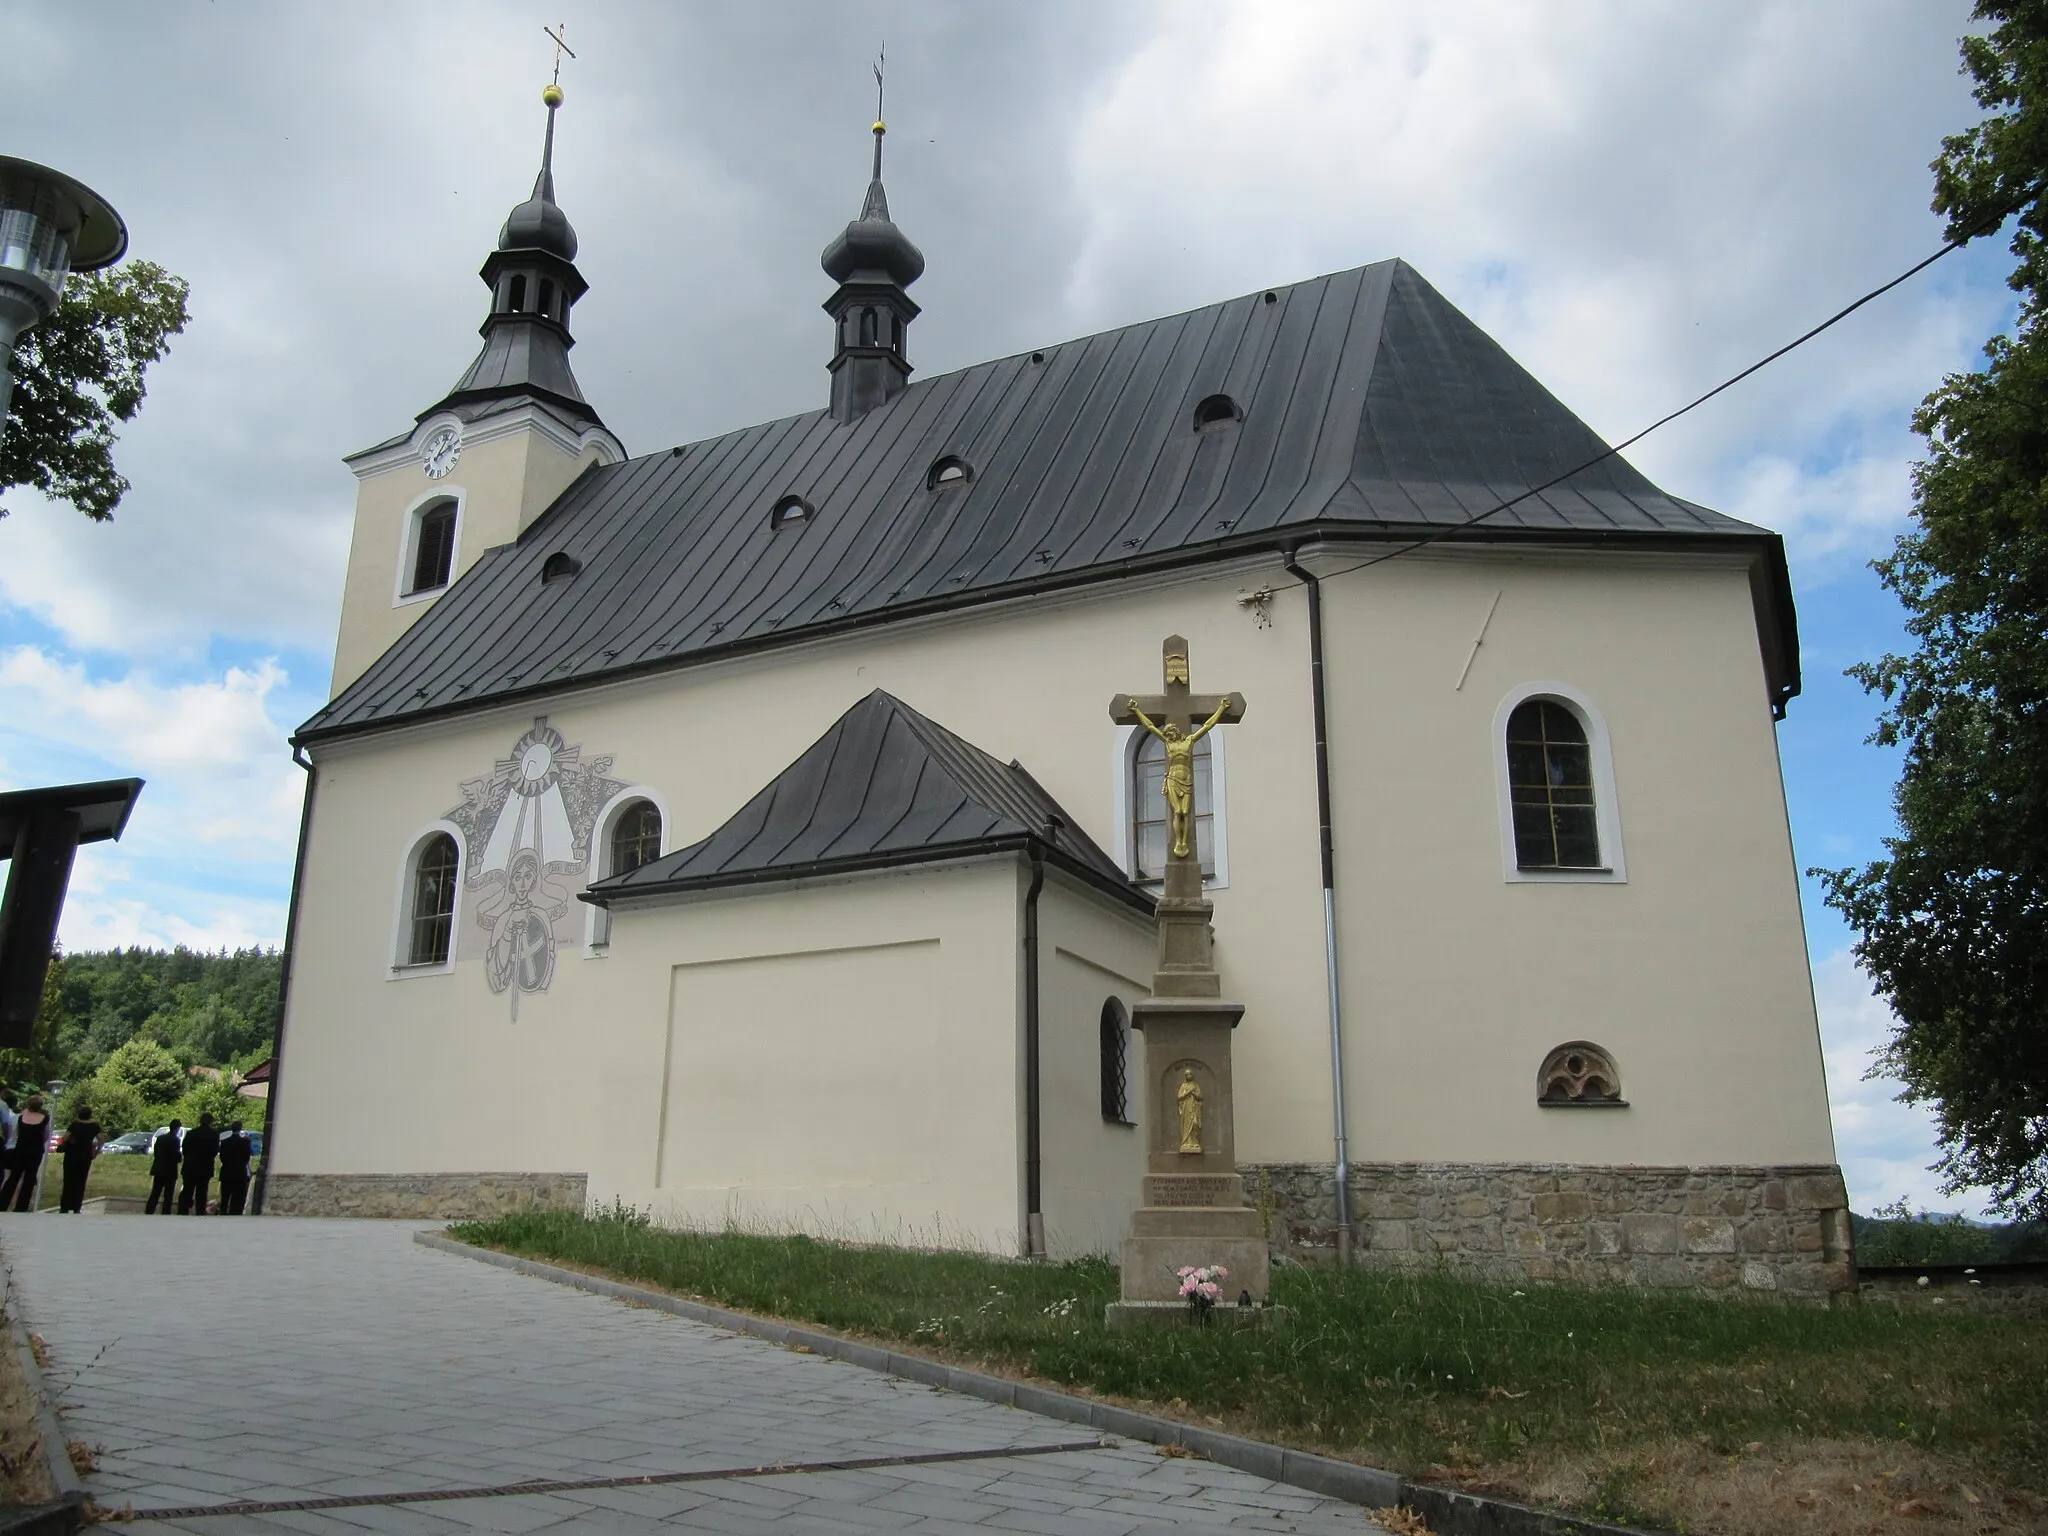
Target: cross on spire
[[556, 34], [881, 126]]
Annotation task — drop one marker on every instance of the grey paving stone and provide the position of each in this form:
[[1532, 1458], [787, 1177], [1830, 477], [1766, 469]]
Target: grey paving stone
[[342, 1357]]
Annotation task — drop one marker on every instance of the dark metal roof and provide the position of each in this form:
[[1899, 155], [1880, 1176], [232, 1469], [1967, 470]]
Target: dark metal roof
[[523, 357], [103, 808], [1368, 408], [884, 786]]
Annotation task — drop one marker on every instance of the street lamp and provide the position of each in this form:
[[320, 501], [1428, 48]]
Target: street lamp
[[50, 226]]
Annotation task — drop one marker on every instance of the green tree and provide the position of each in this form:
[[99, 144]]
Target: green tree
[[148, 1068], [118, 1104], [1954, 922], [79, 372]]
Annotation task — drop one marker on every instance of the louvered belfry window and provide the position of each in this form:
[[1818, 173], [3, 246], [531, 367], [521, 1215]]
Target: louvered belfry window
[[434, 555], [433, 902], [1550, 785]]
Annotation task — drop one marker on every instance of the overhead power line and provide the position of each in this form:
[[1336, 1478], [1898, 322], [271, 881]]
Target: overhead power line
[[1663, 421]]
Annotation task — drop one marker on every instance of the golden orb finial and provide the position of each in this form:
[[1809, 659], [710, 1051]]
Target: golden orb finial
[[880, 126], [552, 95]]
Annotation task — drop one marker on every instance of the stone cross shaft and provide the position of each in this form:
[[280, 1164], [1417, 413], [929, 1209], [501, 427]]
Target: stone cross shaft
[[1181, 717]]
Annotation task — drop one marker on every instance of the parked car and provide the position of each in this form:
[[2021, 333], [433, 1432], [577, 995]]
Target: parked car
[[128, 1141]]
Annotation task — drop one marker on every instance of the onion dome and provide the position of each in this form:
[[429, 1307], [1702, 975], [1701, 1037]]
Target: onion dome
[[538, 224], [872, 243]]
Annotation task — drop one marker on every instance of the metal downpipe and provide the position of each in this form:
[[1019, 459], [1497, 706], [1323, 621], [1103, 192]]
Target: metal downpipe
[[1034, 1214], [1342, 1173], [284, 991]]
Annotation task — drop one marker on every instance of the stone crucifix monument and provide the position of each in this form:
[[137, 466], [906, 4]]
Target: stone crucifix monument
[[1194, 1214]]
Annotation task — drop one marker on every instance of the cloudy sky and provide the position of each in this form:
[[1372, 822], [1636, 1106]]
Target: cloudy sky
[[1637, 198]]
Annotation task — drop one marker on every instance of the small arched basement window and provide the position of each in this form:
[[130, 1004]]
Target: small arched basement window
[[560, 566], [1216, 413], [1113, 1032], [950, 473], [1578, 1073], [1550, 788], [430, 928], [433, 554], [791, 509]]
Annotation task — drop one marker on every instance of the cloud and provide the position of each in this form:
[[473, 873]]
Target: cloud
[[207, 853], [1884, 1146]]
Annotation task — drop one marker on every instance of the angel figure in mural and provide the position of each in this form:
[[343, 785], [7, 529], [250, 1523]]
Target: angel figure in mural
[[519, 907], [1180, 769]]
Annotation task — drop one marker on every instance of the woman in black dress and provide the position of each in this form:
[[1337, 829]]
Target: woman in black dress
[[25, 1162], [81, 1146]]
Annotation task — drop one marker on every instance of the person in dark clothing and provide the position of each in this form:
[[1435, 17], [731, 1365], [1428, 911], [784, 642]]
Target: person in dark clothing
[[25, 1163], [81, 1146], [202, 1145], [163, 1170], [235, 1152]]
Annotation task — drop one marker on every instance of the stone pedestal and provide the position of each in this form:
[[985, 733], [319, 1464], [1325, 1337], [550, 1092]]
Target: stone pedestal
[[1194, 1215]]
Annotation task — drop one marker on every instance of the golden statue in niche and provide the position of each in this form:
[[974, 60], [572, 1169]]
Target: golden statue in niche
[[1180, 770], [1189, 1096]]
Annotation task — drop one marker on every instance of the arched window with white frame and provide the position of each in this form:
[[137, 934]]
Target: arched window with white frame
[[1560, 820], [630, 832], [1141, 813], [430, 546], [429, 903]]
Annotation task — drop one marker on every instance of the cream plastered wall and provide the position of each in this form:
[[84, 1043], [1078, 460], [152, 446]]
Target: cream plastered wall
[[1090, 1169], [1693, 973], [839, 1058], [502, 480], [1455, 981]]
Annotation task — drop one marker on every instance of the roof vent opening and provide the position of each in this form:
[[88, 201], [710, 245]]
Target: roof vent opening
[[1216, 413], [1272, 298], [560, 566], [790, 510], [1038, 357], [950, 473]]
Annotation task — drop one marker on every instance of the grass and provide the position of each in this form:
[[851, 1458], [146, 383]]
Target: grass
[[1615, 1402], [117, 1175]]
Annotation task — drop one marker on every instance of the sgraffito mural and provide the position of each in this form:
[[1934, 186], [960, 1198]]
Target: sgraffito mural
[[528, 826]]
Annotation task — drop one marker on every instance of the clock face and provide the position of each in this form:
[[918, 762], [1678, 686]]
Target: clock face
[[440, 452]]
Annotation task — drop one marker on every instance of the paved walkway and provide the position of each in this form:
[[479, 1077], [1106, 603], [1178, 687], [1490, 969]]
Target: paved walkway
[[282, 1360]]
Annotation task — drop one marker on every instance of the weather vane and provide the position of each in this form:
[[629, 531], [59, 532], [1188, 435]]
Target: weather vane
[[555, 33]]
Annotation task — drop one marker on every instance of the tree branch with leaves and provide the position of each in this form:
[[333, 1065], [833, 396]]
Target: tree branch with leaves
[[80, 372]]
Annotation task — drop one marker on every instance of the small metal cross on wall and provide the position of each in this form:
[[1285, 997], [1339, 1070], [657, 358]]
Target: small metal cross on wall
[[1179, 717]]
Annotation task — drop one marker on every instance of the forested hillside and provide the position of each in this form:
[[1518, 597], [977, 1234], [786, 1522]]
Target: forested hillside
[[126, 1026]]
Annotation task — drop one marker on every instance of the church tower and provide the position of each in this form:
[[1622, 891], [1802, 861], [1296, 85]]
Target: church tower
[[873, 262], [492, 454]]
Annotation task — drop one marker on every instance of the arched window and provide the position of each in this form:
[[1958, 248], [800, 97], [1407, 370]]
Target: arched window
[[632, 839], [635, 839], [547, 298], [1114, 1032], [1148, 808], [1550, 788], [433, 550], [518, 304], [867, 327], [1578, 1073], [430, 928]]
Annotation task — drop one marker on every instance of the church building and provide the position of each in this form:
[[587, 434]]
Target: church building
[[740, 831]]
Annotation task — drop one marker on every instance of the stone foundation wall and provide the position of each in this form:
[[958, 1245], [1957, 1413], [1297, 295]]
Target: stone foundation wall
[[443, 1196], [1716, 1228]]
